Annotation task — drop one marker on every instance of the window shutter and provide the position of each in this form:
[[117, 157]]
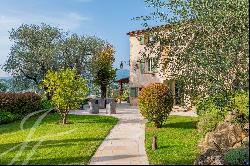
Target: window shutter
[[133, 92], [142, 40], [142, 67], [154, 65], [149, 65]]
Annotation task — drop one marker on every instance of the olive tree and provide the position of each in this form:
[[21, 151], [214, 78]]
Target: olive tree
[[40, 48], [34, 52], [68, 90]]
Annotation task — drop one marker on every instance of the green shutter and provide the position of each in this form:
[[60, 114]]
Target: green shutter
[[142, 67], [154, 65], [142, 40], [133, 92]]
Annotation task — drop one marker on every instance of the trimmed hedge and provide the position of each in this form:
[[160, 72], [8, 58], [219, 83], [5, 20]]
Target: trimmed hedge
[[20, 103]]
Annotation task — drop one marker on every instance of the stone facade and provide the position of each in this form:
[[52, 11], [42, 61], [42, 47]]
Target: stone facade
[[139, 79]]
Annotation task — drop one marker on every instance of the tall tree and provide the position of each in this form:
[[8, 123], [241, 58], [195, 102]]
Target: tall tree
[[34, 52], [102, 68], [207, 43]]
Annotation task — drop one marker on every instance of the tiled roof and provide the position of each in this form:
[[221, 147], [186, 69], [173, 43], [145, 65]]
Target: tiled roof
[[147, 29]]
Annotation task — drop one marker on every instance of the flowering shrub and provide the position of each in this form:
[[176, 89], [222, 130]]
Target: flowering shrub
[[155, 103]]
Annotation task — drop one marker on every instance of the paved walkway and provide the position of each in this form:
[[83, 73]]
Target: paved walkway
[[125, 143]]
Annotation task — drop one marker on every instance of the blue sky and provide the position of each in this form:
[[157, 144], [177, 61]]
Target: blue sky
[[107, 19]]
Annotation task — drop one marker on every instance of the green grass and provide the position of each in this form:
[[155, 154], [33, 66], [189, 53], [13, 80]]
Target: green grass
[[177, 142], [73, 148]]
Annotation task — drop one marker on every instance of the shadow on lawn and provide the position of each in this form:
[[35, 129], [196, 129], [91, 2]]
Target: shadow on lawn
[[46, 160], [50, 143], [55, 144], [54, 119], [182, 125]]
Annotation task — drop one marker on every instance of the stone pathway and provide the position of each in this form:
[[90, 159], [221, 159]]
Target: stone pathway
[[125, 143]]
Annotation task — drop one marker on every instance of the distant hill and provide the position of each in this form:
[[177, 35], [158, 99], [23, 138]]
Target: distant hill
[[122, 74]]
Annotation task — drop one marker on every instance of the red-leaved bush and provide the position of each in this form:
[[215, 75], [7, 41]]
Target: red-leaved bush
[[20, 103], [156, 103]]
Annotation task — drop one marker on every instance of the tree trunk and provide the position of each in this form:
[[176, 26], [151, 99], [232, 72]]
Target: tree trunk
[[48, 95], [154, 143], [157, 124], [104, 92], [64, 118]]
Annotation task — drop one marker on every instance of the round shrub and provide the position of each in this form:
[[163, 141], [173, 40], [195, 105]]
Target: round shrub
[[238, 156], [155, 103]]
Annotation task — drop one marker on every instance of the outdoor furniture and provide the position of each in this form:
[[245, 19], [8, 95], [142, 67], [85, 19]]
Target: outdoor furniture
[[94, 106], [101, 103], [86, 107], [111, 106]]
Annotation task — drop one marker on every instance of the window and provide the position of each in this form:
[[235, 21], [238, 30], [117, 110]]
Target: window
[[151, 65], [148, 66], [133, 92], [143, 39]]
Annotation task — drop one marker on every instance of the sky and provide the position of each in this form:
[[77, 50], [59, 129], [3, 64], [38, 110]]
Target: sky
[[107, 19]]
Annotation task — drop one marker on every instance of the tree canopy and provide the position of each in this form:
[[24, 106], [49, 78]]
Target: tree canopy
[[206, 41], [3, 86], [40, 48]]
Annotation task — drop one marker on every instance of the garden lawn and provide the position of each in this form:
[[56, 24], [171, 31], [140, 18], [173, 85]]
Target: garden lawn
[[74, 143], [177, 142]]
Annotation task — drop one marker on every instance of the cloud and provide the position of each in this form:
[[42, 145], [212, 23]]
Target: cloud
[[76, 16], [70, 21]]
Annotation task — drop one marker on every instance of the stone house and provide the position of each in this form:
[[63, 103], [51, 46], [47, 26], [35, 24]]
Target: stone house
[[144, 71]]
